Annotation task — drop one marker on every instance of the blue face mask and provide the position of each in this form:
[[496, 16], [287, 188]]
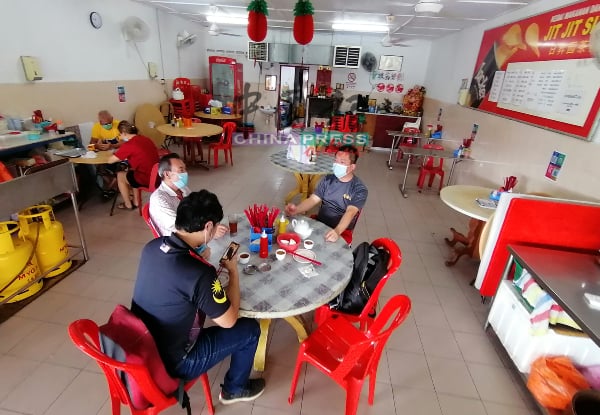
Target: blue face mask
[[107, 126], [182, 181], [339, 170], [202, 247]]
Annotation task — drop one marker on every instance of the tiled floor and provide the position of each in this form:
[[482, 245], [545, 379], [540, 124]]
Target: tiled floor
[[439, 362]]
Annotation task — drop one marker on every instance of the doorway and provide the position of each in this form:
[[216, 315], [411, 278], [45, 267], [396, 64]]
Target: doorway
[[293, 91]]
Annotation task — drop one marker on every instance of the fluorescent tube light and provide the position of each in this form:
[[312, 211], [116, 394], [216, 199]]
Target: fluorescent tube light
[[215, 18], [359, 27], [428, 7]]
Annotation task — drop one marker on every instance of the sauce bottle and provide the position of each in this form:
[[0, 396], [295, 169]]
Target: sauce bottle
[[263, 251]]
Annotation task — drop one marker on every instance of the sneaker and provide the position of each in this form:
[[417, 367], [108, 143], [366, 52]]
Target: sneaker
[[254, 388]]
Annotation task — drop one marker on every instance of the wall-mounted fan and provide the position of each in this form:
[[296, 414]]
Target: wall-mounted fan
[[368, 61], [135, 29], [185, 39]]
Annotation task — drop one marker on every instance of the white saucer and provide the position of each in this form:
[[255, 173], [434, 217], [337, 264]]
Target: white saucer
[[305, 252]]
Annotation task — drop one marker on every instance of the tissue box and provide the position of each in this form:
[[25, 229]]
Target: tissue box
[[227, 110], [255, 236], [207, 110], [215, 111]]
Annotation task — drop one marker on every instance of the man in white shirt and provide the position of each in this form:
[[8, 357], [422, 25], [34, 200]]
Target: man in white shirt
[[165, 199]]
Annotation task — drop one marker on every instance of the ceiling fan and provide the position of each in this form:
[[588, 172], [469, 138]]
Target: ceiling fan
[[214, 30], [393, 38]]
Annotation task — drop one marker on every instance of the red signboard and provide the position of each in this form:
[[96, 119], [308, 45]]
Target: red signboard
[[540, 70]]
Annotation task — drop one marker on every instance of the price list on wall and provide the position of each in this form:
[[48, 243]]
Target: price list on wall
[[540, 70]]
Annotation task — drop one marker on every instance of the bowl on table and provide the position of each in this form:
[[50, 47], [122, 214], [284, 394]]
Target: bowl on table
[[288, 241]]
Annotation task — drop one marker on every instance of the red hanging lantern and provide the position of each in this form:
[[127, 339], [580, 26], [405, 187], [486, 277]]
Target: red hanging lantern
[[304, 27], [257, 20]]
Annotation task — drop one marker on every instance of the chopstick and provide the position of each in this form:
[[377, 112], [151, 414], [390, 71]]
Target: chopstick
[[314, 261]]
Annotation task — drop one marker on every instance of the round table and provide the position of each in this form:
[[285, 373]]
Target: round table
[[221, 118], [193, 135], [307, 175], [283, 292], [462, 198]]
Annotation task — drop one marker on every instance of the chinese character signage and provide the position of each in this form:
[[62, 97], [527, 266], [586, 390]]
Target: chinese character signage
[[540, 70]]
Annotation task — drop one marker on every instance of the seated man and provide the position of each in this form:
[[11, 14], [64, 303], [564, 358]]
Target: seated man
[[342, 196], [165, 199], [105, 133], [175, 290], [141, 155]]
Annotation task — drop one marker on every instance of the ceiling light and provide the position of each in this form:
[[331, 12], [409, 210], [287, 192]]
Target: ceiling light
[[227, 19], [359, 27], [428, 7], [516, 3]]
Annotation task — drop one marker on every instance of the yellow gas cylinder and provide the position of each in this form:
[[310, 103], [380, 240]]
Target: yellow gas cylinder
[[18, 265], [41, 228]]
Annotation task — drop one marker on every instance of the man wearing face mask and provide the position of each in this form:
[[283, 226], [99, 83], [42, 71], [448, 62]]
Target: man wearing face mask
[[105, 133], [165, 199], [341, 194], [175, 290]]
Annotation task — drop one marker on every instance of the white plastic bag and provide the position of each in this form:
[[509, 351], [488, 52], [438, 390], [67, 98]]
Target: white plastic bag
[[178, 94]]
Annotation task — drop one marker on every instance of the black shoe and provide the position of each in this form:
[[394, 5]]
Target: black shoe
[[254, 388]]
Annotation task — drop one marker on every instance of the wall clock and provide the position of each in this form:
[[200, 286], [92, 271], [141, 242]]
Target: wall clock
[[96, 20]]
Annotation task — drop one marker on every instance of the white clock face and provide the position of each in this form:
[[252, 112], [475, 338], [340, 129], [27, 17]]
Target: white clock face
[[96, 20]]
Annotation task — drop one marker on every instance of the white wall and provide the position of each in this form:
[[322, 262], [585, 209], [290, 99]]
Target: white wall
[[504, 146], [69, 49]]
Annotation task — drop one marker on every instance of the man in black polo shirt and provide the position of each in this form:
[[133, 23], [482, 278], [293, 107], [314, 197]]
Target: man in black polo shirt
[[176, 289]]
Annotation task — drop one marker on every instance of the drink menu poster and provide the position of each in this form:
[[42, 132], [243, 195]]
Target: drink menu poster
[[540, 70]]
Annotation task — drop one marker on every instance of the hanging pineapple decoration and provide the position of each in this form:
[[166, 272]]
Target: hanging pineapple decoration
[[304, 27], [257, 20]]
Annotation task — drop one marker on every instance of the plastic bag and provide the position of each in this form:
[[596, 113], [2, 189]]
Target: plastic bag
[[592, 375], [554, 380]]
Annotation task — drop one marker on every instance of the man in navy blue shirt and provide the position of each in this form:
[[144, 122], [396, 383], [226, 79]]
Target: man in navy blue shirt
[[176, 289], [342, 195]]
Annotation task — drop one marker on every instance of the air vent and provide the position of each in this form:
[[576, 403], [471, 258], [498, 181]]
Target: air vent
[[258, 51], [346, 57]]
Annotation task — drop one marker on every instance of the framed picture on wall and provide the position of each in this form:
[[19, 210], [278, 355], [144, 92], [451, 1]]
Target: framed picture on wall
[[390, 63]]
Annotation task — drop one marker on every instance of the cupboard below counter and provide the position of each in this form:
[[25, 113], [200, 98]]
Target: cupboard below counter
[[377, 126]]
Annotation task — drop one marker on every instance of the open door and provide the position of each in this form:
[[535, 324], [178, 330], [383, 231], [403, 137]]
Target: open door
[[293, 91]]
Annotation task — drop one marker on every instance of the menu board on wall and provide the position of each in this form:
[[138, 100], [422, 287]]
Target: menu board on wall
[[540, 70]]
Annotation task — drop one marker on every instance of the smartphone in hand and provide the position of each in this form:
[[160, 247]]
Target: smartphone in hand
[[230, 251]]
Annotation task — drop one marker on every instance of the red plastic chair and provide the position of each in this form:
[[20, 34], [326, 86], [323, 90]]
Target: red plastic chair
[[154, 183], [183, 107], [85, 335], [225, 144], [367, 315], [430, 169], [337, 123], [148, 220], [351, 123], [348, 355]]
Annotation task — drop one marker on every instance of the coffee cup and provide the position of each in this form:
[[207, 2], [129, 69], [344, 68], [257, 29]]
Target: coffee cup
[[280, 254], [244, 257], [308, 244]]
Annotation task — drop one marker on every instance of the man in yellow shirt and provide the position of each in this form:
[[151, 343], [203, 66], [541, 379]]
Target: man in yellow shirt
[[105, 134]]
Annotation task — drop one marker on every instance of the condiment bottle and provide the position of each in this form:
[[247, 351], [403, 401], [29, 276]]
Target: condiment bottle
[[263, 251], [282, 224]]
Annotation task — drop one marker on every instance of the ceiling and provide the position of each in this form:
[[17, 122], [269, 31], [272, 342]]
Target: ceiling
[[406, 23]]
